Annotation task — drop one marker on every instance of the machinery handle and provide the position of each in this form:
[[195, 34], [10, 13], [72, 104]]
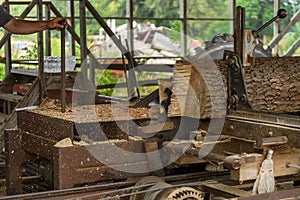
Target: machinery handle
[[281, 14]]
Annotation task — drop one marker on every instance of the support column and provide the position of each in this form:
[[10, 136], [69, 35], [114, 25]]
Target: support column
[[232, 5], [129, 14], [41, 51], [276, 25], [83, 44], [183, 26], [48, 32], [71, 21], [7, 48]]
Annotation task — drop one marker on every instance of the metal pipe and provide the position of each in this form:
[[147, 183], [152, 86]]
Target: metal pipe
[[7, 48], [41, 52], [83, 43], [63, 72], [239, 23], [292, 165], [48, 32]]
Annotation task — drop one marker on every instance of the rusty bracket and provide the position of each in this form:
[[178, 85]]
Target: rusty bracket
[[238, 95]]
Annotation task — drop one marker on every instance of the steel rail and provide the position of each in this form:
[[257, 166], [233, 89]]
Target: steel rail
[[121, 187]]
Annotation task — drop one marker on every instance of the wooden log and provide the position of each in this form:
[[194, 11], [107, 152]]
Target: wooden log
[[273, 85]]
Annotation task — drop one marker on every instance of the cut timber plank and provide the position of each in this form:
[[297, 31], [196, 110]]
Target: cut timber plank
[[195, 90]]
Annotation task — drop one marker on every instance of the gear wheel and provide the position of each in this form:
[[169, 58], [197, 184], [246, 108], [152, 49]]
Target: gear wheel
[[183, 193]]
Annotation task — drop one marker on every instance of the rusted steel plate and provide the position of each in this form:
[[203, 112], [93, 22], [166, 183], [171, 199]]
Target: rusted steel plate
[[14, 157], [37, 146], [45, 126], [75, 165], [244, 128]]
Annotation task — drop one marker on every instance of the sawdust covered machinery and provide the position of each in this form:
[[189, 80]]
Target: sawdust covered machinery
[[238, 116]]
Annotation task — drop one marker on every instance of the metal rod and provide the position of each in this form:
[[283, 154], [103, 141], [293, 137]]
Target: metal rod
[[7, 48], [109, 32], [239, 23], [131, 73], [74, 35], [292, 48], [281, 13], [183, 27], [83, 43], [63, 72], [125, 71], [41, 52], [48, 32], [267, 24], [282, 33], [292, 165]]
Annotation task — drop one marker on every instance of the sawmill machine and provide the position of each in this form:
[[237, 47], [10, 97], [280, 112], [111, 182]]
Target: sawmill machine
[[225, 114]]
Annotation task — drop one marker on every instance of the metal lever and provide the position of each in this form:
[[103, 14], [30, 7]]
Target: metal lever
[[292, 165], [281, 14]]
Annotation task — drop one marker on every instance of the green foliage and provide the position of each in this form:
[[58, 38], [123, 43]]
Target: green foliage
[[175, 25], [30, 53], [104, 77], [2, 71]]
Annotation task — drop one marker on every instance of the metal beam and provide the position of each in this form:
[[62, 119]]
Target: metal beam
[[239, 23], [183, 26], [129, 14], [75, 36], [71, 14], [7, 50], [276, 25], [292, 49], [109, 32], [232, 5], [41, 50], [48, 32], [83, 43]]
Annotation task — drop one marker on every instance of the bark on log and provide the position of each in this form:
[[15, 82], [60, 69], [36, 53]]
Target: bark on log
[[273, 85]]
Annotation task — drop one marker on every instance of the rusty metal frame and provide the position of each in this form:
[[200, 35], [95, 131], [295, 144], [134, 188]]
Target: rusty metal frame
[[36, 131]]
